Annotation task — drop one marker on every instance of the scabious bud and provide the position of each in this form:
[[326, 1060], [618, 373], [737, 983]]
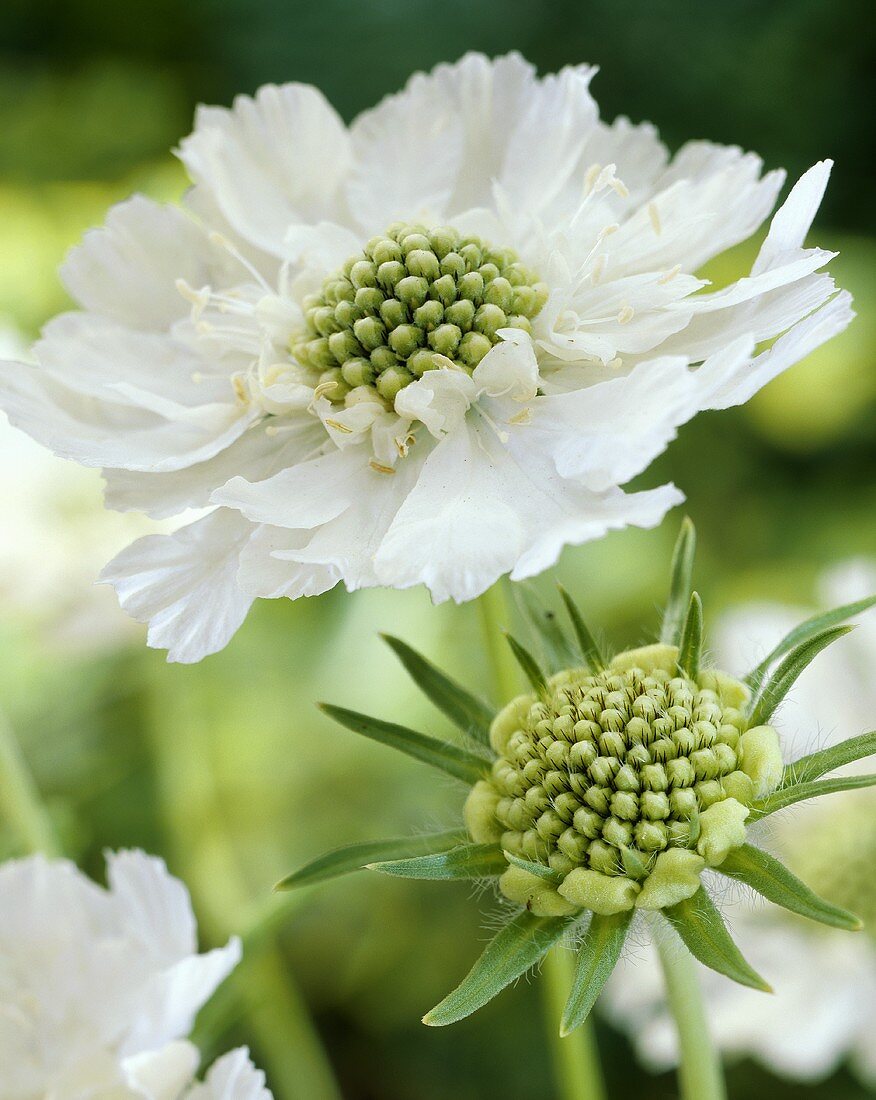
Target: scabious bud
[[608, 789], [626, 782]]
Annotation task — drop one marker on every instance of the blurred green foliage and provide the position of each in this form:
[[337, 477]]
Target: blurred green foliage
[[226, 768]]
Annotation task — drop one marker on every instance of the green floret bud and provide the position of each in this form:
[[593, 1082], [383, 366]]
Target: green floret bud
[[624, 780], [411, 294]]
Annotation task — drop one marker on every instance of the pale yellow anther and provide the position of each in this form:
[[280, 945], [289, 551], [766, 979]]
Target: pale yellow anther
[[379, 467], [626, 315], [523, 417], [344, 429], [654, 215], [669, 275]]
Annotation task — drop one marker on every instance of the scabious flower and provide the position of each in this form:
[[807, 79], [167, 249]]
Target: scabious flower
[[824, 1010], [608, 790], [427, 348], [99, 987]]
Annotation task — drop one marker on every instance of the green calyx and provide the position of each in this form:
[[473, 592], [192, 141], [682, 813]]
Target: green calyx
[[625, 782], [414, 299]]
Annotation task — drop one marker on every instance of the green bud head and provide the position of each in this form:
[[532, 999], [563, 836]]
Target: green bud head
[[608, 771], [413, 293]]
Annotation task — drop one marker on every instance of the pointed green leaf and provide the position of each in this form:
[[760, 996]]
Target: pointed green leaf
[[691, 647], [597, 957], [541, 870], [511, 952], [800, 792], [702, 929], [680, 584], [466, 861], [593, 659], [828, 760], [528, 663], [356, 856], [452, 759], [775, 882], [557, 649], [806, 630], [464, 710], [783, 679]]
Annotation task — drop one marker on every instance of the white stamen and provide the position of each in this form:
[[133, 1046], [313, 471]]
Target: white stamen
[[668, 276], [223, 242], [344, 429]]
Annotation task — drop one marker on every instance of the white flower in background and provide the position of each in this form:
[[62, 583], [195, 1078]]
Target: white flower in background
[[232, 1077], [98, 988], [824, 1008], [427, 348], [54, 535]]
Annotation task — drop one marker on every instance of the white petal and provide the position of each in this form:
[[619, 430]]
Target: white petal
[[264, 574], [691, 219], [440, 399], [797, 343], [792, 220], [256, 455], [101, 358], [456, 532], [406, 157], [185, 585], [323, 247], [127, 270], [106, 433], [153, 907], [232, 1077], [510, 368], [301, 496], [607, 433], [271, 161], [169, 1003], [571, 516], [162, 1074]]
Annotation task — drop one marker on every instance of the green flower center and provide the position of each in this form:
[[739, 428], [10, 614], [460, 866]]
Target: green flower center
[[609, 770], [410, 300]]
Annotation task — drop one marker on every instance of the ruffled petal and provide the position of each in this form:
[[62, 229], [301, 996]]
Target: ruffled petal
[[127, 270], [440, 399], [270, 161], [152, 906], [185, 585], [266, 575], [232, 1077]]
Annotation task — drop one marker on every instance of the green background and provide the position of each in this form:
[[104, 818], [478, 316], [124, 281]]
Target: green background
[[226, 769]]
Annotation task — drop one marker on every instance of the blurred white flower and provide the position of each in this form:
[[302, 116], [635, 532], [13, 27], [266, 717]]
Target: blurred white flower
[[824, 1008], [232, 1077], [55, 535], [98, 988], [427, 348]]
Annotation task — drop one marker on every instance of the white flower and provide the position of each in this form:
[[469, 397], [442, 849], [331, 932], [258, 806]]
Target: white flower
[[824, 1007], [232, 1077], [427, 348], [99, 987]]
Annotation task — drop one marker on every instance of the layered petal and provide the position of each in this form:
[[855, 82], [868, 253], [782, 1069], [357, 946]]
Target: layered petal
[[270, 161], [185, 586]]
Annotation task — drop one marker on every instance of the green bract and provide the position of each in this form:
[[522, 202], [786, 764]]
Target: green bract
[[413, 300], [608, 789]]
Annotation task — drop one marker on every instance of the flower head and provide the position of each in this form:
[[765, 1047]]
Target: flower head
[[429, 348], [609, 788], [98, 988], [825, 984]]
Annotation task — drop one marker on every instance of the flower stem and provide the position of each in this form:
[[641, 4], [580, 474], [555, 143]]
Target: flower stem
[[262, 988], [700, 1075], [575, 1058], [20, 798]]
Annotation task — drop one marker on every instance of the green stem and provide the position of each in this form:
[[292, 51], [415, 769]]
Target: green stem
[[700, 1075], [495, 612], [575, 1058], [261, 988], [20, 798]]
